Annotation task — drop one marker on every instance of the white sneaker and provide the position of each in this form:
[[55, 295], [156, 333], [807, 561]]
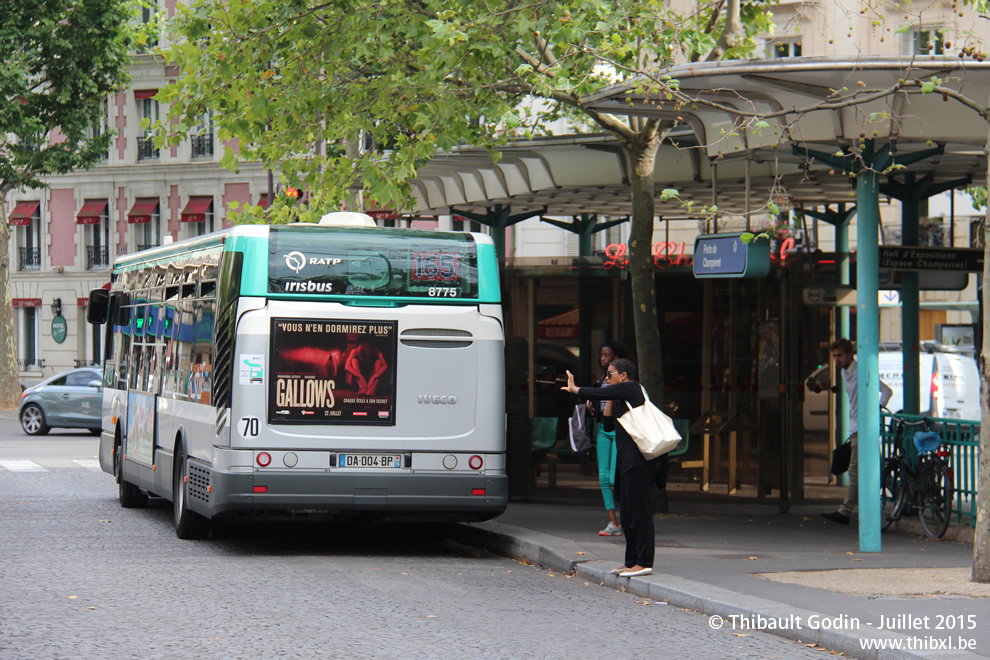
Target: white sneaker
[[611, 530]]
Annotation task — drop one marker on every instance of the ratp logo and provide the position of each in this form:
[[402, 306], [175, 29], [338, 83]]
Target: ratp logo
[[295, 261]]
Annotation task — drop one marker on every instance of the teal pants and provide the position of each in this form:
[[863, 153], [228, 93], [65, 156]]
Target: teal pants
[[606, 465]]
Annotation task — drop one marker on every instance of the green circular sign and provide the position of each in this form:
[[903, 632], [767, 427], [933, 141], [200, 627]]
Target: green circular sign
[[59, 329]]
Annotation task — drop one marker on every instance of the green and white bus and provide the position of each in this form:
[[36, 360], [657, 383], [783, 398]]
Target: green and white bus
[[326, 370]]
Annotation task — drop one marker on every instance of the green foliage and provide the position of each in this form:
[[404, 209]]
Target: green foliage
[[61, 58], [301, 84], [979, 195]]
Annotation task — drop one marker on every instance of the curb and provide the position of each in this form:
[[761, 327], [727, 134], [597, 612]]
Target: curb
[[721, 605]]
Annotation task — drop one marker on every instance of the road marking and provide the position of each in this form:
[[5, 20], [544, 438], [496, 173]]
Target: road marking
[[22, 466], [89, 464]]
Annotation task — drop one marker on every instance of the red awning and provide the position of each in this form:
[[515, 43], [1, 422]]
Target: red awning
[[263, 202], [144, 93], [91, 211], [23, 212], [142, 210], [26, 302], [195, 210]]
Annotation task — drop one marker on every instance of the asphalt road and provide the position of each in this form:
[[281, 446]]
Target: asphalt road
[[83, 578]]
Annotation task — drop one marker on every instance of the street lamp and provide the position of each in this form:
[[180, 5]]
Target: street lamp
[[57, 307]]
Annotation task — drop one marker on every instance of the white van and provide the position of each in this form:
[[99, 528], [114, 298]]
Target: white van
[[949, 387]]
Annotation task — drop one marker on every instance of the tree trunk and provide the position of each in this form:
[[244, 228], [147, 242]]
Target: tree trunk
[[10, 389], [981, 541], [642, 157]]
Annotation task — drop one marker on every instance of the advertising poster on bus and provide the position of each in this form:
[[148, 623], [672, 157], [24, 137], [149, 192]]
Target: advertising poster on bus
[[332, 371]]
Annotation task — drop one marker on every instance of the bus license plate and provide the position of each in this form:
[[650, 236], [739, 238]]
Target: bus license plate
[[372, 461]]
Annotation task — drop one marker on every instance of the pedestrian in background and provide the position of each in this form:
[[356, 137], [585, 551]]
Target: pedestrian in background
[[634, 474], [605, 440], [842, 355]]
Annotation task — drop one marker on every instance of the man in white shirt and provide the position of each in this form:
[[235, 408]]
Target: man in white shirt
[[842, 354]]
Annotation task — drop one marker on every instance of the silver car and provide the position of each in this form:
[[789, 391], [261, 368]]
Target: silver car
[[73, 399]]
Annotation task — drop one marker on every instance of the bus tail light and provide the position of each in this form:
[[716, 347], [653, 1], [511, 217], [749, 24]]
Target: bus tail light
[[475, 462], [261, 489], [264, 459], [477, 491]]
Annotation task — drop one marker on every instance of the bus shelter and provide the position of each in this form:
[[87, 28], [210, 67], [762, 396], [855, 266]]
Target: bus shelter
[[823, 135]]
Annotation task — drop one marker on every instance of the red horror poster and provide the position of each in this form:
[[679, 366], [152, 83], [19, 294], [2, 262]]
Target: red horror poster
[[332, 371]]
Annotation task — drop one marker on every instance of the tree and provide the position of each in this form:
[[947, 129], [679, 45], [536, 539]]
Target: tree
[[295, 81], [61, 60]]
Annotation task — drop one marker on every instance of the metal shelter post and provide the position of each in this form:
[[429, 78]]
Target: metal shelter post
[[499, 218], [911, 193], [868, 340], [841, 220]]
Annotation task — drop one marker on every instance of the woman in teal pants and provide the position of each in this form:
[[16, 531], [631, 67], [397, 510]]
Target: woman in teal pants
[[605, 440]]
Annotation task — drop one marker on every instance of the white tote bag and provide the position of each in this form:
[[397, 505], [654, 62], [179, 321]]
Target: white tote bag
[[650, 428]]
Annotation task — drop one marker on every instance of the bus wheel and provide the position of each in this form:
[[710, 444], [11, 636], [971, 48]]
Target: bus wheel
[[188, 524], [131, 497]]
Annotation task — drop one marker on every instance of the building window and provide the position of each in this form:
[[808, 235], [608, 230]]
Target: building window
[[202, 137], [923, 42], [198, 216], [145, 217], [91, 348], [461, 223], [149, 23], [784, 48], [148, 111], [98, 243], [101, 126], [29, 242], [27, 347], [149, 233]]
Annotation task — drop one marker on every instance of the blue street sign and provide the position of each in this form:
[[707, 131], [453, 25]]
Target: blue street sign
[[725, 255]]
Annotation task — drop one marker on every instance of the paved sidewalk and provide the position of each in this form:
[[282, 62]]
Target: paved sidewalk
[[709, 556]]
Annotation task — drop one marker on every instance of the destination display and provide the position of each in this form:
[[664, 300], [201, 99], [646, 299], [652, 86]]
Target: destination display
[[335, 263], [332, 371]]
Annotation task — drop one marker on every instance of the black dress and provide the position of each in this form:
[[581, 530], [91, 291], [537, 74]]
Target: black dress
[[633, 472]]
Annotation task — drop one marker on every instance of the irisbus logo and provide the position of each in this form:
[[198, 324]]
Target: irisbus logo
[[437, 399]]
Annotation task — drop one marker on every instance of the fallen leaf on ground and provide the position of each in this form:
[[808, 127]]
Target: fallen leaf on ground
[[751, 558], [741, 634]]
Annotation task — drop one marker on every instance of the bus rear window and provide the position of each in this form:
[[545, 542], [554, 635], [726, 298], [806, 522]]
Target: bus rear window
[[324, 260]]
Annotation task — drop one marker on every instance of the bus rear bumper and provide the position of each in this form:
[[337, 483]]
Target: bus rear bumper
[[443, 497]]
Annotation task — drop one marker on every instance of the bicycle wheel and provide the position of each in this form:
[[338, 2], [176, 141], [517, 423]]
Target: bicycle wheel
[[891, 495], [935, 499]]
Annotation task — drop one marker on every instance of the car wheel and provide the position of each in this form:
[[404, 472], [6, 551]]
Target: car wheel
[[131, 497], [33, 420], [188, 523]]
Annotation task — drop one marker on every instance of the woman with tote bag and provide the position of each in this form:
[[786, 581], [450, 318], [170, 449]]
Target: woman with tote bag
[[633, 472]]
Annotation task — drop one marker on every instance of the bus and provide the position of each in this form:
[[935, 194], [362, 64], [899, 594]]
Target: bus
[[326, 369]]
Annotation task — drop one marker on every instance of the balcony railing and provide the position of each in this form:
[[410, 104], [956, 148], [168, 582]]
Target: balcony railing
[[146, 149], [87, 363], [145, 247], [202, 145], [96, 257], [30, 258]]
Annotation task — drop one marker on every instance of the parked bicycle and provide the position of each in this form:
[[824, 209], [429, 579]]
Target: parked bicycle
[[925, 488]]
